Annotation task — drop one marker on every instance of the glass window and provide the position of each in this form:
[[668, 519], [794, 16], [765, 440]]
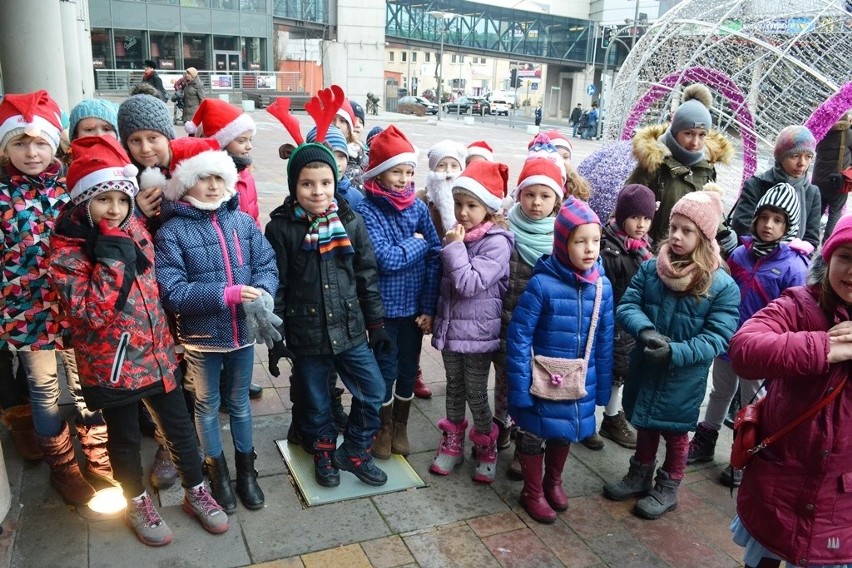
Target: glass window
[[414, 57], [390, 55], [225, 4], [257, 6], [225, 43], [196, 51], [163, 50], [428, 57], [129, 49], [404, 56], [195, 3], [254, 53], [102, 55]]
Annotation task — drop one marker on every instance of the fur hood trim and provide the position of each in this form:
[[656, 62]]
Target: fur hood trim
[[650, 151], [202, 165]]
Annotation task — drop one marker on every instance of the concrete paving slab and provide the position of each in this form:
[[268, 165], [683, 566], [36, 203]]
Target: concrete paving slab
[[450, 546]]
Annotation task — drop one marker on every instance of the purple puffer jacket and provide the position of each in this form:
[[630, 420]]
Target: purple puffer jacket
[[475, 277]]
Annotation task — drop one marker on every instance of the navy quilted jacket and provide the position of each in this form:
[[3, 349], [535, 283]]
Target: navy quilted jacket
[[199, 254]]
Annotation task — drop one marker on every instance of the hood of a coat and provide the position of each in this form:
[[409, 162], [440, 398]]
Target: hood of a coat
[[650, 151]]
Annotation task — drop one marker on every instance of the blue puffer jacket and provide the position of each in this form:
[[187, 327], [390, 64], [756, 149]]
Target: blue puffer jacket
[[199, 254], [551, 310], [669, 398]]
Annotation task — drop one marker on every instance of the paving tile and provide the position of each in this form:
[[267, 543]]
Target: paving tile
[[49, 533], [450, 547], [621, 549], [351, 556], [589, 516], [520, 549], [294, 562], [566, 545], [260, 375], [667, 538], [444, 500], [713, 527], [496, 523], [388, 552], [269, 403]]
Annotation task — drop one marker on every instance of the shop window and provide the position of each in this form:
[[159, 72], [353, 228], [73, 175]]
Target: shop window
[[163, 50], [102, 49], [129, 49], [253, 53], [196, 51]]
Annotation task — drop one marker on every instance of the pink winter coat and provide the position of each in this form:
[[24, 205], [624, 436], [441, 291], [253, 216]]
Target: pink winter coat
[[796, 495], [248, 194]]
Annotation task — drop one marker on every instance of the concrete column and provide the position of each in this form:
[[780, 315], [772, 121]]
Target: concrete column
[[84, 43], [31, 51], [68, 14], [363, 38]]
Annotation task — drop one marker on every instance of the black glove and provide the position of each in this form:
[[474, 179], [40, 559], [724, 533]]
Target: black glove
[[380, 341], [658, 353], [646, 337], [727, 241], [278, 351]]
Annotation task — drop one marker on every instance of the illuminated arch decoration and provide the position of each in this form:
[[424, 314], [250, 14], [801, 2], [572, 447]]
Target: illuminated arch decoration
[[829, 112]]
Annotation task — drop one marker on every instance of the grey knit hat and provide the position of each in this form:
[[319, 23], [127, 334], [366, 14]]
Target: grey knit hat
[[694, 112], [144, 112]]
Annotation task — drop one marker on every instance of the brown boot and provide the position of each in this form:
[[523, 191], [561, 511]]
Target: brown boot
[[19, 421], [399, 442], [65, 474], [93, 441], [382, 443]]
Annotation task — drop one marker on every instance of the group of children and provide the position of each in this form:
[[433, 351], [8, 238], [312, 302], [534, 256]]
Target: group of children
[[352, 270]]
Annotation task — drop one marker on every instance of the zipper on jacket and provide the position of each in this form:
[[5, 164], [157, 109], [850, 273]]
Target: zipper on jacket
[[228, 274], [239, 248], [118, 361]]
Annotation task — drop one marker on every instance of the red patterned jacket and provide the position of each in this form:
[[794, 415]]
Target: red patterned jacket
[[119, 330]]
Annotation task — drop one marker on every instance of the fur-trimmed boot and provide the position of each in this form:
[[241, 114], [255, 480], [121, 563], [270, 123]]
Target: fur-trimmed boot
[[399, 440], [554, 463], [661, 499], [19, 421], [65, 475], [638, 481], [485, 452], [93, 441], [384, 439], [532, 494], [451, 451]]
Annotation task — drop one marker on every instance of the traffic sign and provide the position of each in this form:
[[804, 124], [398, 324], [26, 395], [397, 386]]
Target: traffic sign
[[590, 90]]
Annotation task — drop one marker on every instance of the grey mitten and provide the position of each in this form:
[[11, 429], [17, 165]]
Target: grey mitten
[[265, 320]]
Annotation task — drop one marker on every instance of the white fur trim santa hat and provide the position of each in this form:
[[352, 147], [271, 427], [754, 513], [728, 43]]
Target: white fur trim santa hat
[[540, 171], [389, 148], [98, 161], [194, 159], [221, 121], [34, 114], [480, 148], [487, 181], [447, 149]]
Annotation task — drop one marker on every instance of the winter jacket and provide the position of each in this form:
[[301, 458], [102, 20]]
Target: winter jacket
[[756, 186], [474, 279], [409, 267], [669, 179], [762, 280], [326, 303], [620, 266], [554, 307], [193, 94], [119, 331], [827, 152], [669, 398], [29, 207], [795, 494], [248, 194], [519, 276], [347, 191], [199, 254], [157, 82]]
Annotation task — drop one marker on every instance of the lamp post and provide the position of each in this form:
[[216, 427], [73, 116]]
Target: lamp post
[[442, 17]]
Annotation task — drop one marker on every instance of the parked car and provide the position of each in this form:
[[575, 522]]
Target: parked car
[[428, 107], [500, 106], [468, 105], [429, 95]]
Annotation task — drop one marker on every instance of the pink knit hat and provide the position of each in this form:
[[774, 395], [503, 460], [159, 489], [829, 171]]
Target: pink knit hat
[[704, 208], [842, 235]]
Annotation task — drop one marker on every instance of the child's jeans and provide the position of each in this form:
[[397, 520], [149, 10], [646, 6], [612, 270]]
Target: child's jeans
[[206, 369], [467, 382], [360, 374], [170, 414], [41, 368], [400, 365], [677, 448]]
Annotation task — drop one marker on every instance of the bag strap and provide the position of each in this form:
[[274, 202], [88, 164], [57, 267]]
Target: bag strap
[[820, 404], [842, 150], [595, 313]]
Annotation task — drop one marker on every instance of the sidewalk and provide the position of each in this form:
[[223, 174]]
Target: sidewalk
[[452, 522]]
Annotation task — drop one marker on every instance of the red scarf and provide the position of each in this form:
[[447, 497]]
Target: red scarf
[[399, 200], [632, 244]]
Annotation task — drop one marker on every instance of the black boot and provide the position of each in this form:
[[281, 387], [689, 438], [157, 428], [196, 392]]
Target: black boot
[[248, 490], [338, 414], [220, 483], [255, 391]]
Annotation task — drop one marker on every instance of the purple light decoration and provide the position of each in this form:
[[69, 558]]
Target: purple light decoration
[[712, 78], [606, 170], [829, 112]]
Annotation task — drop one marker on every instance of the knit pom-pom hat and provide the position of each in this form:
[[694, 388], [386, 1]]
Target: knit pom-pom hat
[[694, 111], [704, 208]]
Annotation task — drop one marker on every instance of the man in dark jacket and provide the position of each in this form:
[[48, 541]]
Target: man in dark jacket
[[575, 118], [833, 155], [152, 78]]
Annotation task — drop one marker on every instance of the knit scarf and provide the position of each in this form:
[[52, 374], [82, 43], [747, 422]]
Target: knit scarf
[[678, 275], [398, 200], [477, 232], [680, 153], [640, 245], [326, 232], [533, 238], [589, 276]]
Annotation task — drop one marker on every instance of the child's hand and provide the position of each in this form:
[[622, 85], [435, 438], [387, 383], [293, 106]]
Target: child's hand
[[249, 294], [456, 234], [149, 201], [424, 322]]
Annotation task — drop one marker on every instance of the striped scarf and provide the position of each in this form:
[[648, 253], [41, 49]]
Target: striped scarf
[[325, 232]]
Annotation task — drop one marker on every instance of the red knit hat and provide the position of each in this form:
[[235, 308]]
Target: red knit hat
[[841, 235], [487, 181], [34, 114], [480, 148], [194, 159], [221, 121], [389, 148], [540, 171], [559, 140]]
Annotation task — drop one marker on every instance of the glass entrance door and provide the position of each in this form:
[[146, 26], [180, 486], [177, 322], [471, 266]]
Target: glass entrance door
[[227, 61]]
